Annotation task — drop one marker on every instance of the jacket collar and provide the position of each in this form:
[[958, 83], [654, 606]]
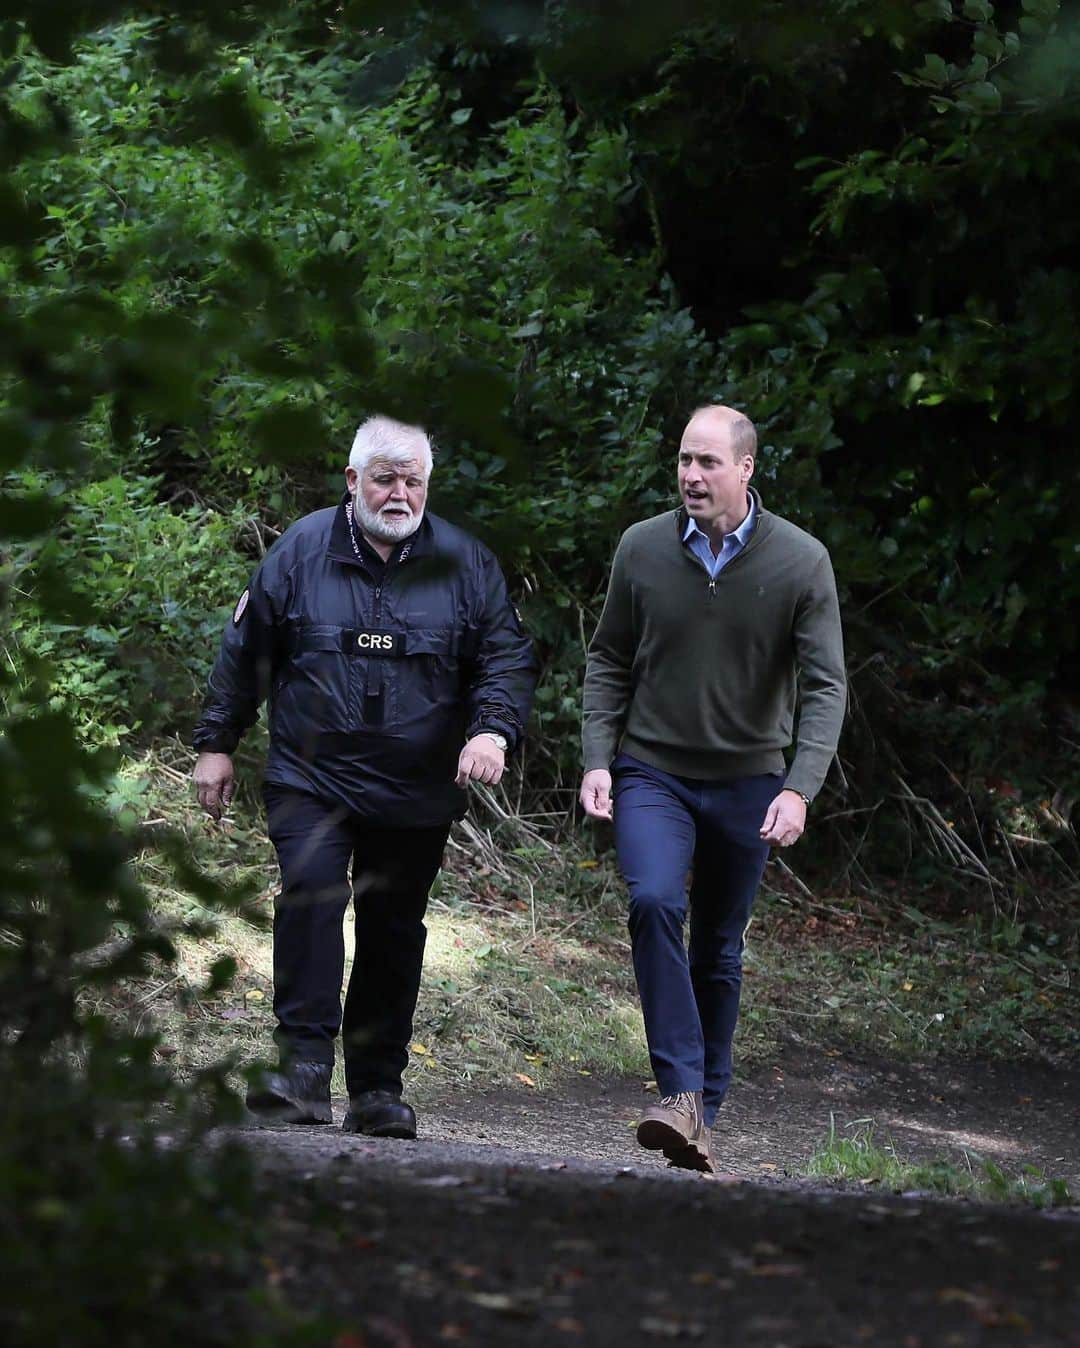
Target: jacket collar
[[340, 548]]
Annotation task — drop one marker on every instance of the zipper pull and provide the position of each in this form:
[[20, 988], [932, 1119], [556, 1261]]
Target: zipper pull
[[712, 586]]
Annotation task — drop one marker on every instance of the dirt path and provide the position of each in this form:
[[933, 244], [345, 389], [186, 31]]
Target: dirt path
[[524, 1219], [773, 1122]]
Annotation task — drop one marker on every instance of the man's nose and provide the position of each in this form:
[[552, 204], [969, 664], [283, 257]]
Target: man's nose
[[398, 491]]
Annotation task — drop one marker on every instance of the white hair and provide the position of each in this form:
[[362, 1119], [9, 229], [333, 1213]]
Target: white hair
[[384, 438]]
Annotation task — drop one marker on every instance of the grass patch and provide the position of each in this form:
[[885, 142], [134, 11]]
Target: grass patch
[[528, 971], [855, 1155], [902, 984]]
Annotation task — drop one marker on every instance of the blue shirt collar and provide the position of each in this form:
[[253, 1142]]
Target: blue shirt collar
[[741, 534]]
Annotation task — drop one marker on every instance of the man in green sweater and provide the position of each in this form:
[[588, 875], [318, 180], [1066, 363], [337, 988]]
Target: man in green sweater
[[716, 615]]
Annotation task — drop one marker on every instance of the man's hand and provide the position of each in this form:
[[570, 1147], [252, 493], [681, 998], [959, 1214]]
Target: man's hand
[[480, 761], [785, 819], [214, 783], [595, 794]]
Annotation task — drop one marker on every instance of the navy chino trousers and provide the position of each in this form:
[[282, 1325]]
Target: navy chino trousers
[[392, 874], [664, 827]]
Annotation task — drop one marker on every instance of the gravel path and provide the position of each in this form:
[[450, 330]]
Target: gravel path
[[1026, 1114]]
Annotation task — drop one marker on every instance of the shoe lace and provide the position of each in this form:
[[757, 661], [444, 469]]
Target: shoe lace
[[681, 1104]]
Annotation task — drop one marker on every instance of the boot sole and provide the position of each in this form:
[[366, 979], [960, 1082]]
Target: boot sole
[[277, 1110], [656, 1135], [385, 1130], [689, 1157]]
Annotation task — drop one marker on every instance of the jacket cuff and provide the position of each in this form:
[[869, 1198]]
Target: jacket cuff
[[509, 729], [215, 741]]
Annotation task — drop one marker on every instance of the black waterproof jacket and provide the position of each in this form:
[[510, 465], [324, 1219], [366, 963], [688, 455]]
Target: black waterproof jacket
[[375, 674]]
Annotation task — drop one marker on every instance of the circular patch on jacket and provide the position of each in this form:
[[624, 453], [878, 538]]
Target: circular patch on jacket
[[241, 604]]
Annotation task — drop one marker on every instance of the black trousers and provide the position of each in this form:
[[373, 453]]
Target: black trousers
[[392, 873]]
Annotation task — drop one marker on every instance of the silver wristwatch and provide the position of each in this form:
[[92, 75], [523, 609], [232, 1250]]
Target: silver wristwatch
[[500, 740]]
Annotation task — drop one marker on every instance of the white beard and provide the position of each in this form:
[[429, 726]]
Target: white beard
[[386, 528]]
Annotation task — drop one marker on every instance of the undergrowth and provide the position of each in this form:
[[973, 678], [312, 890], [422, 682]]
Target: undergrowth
[[528, 976]]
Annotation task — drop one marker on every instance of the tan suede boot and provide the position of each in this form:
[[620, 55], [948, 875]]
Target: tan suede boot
[[675, 1126]]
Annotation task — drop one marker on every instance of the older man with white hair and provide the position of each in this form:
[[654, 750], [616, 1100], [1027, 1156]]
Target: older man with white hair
[[396, 672]]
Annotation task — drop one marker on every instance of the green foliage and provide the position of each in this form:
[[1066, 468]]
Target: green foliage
[[153, 577], [854, 1155], [903, 985]]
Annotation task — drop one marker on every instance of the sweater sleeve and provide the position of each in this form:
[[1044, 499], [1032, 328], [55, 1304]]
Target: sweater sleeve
[[819, 656], [609, 668]]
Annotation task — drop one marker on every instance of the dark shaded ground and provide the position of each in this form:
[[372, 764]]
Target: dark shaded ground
[[530, 1218]]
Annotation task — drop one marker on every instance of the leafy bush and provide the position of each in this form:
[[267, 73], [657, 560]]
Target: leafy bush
[[158, 581]]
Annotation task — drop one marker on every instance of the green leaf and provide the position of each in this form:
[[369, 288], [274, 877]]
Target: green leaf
[[460, 116], [982, 97], [935, 70], [988, 44]]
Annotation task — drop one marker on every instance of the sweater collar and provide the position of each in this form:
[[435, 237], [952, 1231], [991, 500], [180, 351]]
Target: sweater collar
[[741, 533], [753, 519]]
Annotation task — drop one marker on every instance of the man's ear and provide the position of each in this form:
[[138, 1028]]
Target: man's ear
[[352, 479], [748, 467]]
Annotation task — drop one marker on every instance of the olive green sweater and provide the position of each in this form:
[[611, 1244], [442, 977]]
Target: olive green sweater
[[699, 678]]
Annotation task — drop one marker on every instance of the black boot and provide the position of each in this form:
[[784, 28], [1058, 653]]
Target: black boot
[[379, 1114], [299, 1093]]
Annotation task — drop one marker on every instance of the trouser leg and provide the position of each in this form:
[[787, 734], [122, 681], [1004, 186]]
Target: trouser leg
[[313, 840], [393, 871], [654, 841], [728, 864]]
